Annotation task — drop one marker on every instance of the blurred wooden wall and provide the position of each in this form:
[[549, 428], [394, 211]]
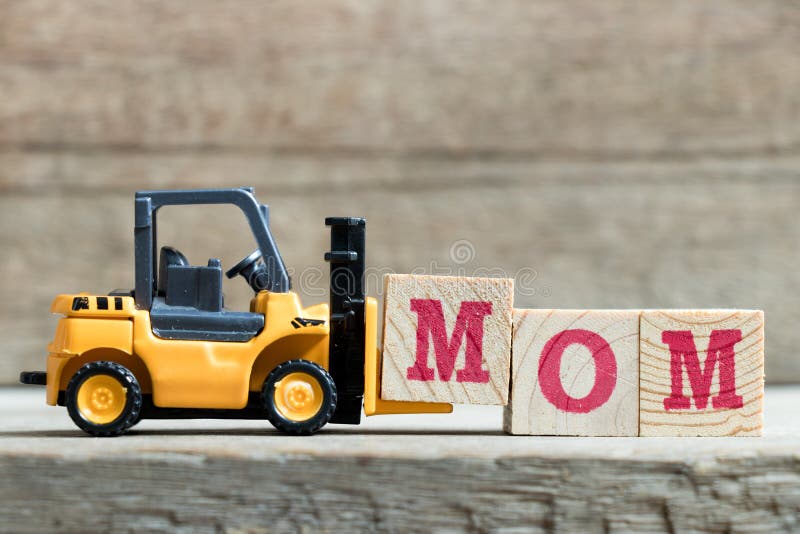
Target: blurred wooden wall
[[616, 154]]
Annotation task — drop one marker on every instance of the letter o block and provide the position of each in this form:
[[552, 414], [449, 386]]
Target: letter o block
[[702, 373], [574, 373], [446, 339]]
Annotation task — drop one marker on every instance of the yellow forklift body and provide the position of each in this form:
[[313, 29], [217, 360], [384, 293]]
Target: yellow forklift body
[[87, 332], [184, 373]]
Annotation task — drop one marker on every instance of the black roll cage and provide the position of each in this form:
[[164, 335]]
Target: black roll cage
[[147, 204]]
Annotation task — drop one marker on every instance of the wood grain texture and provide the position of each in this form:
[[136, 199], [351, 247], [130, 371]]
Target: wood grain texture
[[656, 378], [455, 118], [571, 251], [454, 473], [530, 411], [480, 352], [546, 77]]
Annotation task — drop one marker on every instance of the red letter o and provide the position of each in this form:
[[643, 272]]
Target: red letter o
[[605, 376]]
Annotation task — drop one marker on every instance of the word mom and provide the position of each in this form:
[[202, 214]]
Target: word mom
[[573, 372]]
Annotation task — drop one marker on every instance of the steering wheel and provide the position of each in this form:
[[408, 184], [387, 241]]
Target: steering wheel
[[250, 260]]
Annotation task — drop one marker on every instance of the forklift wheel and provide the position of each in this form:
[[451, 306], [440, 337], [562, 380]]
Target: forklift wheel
[[104, 399], [299, 396]]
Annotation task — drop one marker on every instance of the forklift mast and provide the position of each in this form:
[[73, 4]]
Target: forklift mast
[[347, 328]]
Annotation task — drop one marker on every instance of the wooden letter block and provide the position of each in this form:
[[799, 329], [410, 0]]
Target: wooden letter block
[[574, 373], [447, 339], [702, 373]]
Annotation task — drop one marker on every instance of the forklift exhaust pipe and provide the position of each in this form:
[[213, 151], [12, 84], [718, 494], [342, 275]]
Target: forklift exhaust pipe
[[347, 327]]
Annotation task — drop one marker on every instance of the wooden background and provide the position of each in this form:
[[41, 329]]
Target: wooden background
[[609, 154]]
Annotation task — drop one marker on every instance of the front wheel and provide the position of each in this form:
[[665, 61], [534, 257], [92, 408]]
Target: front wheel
[[104, 399], [299, 397]]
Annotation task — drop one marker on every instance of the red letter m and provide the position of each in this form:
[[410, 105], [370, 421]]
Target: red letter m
[[431, 325], [683, 352]]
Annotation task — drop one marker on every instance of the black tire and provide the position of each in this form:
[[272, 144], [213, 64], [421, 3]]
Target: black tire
[[137, 420], [320, 418], [131, 411]]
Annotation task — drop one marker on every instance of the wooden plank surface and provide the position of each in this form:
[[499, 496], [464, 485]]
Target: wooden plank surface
[[545, 76], [79, 240], [454, 472], [440, 122], [574, 373]]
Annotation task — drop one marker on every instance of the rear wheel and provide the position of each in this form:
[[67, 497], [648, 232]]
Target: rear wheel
[[299, 397], [104, 399]]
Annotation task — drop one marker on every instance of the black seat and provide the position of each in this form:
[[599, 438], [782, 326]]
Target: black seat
[[189, 303], [185, 322], [169, 256]]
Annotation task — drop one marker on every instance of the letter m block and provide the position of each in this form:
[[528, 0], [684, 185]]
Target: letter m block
[[701, 373], [447, 339]]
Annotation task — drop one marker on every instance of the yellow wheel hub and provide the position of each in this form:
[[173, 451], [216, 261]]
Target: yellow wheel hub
[[101, 399], [298, 396]]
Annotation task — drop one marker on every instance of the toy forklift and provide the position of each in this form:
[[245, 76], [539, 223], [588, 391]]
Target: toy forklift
[[169, 349]]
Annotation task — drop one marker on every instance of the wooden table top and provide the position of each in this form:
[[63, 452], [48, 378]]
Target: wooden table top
[[455, 471]]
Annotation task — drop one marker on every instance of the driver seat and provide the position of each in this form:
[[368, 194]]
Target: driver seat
[[167, 257], [188, 303]]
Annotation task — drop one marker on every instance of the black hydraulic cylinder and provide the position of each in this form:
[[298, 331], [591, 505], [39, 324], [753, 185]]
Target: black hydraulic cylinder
[[346, 354]]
